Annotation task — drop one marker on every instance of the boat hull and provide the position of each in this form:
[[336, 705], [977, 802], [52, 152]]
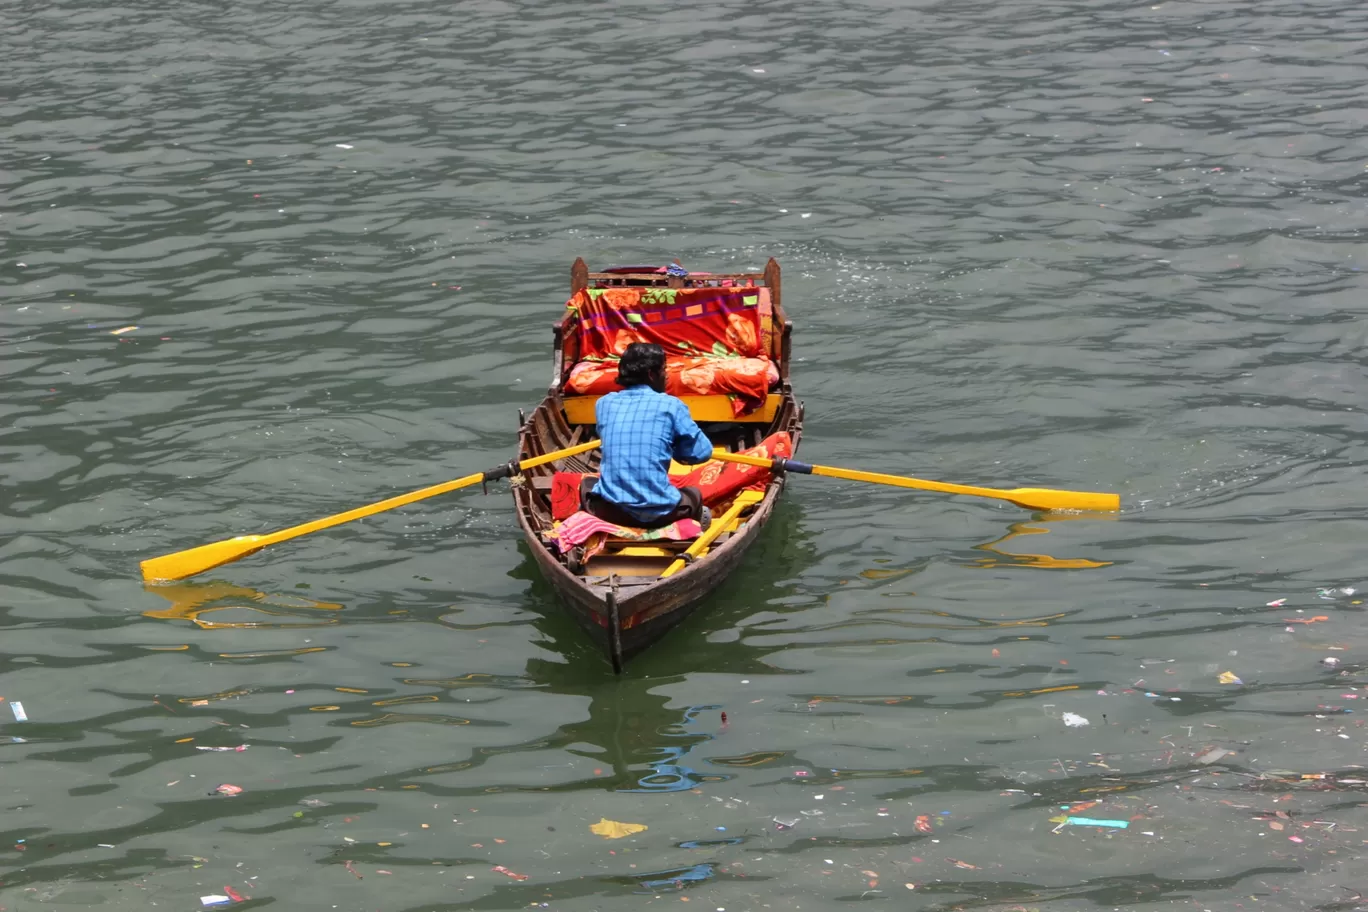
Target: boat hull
[[626, 615]]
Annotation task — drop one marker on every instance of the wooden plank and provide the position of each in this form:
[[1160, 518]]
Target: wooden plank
[[580, 409], [604, 566], [642, 551]]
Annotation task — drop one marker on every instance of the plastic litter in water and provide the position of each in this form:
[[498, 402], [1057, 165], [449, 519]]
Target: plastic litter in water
[[229, 790], [1073, 720], [18, 710], [344, 146], [1093, 821], [215, 899], [1214, 754], [1229, 677], [121, 331]]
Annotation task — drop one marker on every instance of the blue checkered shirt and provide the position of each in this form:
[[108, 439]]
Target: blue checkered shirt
[[642, 430]]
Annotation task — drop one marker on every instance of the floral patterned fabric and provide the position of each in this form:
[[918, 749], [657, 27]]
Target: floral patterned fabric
[[716, 340], [719, 481]]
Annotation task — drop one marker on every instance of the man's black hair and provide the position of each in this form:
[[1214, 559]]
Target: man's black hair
[[642, 362]]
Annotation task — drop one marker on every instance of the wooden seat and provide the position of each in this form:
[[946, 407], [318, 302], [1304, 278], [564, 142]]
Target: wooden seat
[[579, 410]]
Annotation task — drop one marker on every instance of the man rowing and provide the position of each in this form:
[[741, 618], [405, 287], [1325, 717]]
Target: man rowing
[[643, 428]]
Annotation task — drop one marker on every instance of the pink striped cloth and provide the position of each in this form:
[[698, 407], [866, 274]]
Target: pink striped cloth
[[576, 528]]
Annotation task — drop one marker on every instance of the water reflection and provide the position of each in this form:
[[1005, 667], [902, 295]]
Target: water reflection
[[1001, 558], [190, 600], [643, 744]]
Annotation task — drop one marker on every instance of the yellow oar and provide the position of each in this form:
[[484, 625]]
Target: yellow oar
[[206, 557], [1030, 498], [745, 500]]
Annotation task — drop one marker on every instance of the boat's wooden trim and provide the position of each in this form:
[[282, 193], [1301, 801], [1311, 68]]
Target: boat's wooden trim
[[655, 279], [579, 410], [615, 631], [773, 280], [579, 276]]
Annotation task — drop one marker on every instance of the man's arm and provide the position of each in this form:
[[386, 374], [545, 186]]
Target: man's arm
[[691, 445]]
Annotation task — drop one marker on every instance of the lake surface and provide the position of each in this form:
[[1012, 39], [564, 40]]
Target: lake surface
[[1093, 245]]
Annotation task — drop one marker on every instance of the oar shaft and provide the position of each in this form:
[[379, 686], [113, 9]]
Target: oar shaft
[[503, 471], [186, 563], [1030, 498], [362, 512], [744, 501]]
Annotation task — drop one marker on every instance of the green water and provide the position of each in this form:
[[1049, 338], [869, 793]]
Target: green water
[[1101, 246]]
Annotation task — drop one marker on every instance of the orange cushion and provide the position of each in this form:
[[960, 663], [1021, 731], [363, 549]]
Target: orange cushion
[[747, 380]]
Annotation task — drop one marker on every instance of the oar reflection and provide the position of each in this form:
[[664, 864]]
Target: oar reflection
[[190, 601], [1033, 561]]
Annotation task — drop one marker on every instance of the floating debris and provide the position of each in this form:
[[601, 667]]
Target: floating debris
[[1073, 720], [1216, 753], [612, 829], [1091, 821]]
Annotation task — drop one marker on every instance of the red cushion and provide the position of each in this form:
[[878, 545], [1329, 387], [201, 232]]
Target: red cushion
[[717, 480]]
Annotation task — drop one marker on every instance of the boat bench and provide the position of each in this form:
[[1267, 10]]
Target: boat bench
[[580, 409]]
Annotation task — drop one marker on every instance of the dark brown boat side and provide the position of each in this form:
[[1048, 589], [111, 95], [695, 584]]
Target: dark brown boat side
[[625, 612]]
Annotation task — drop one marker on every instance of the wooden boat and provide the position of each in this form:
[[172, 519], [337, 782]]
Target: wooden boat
[[628, 596]]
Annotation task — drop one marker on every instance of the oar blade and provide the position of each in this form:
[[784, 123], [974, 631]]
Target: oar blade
[[1050, 499], [197, 560]]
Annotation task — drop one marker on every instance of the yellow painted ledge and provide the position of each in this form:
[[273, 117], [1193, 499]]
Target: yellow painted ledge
[[580, 409]]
